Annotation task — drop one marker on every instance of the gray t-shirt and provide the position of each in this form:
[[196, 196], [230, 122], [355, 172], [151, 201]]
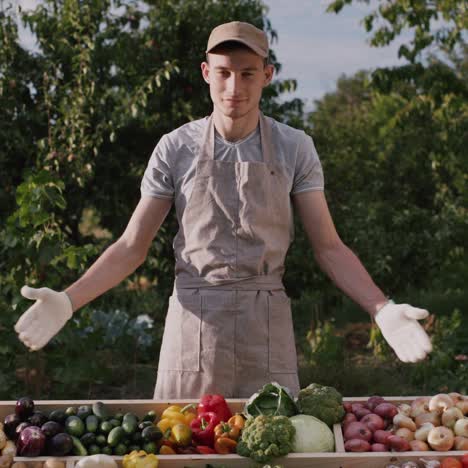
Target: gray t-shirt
[[171, 168]]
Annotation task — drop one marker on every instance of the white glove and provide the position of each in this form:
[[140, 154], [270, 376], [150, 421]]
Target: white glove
[[45, 318], [399, 326]]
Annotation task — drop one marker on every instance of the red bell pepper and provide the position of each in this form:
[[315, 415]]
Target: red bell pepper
[[203, 427], [205, 450], [216, 404]]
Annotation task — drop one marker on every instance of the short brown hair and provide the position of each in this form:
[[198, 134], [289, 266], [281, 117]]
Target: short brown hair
[[230, 46]]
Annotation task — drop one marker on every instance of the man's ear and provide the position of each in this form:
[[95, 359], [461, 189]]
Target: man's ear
[[268, 73], [205, 68]]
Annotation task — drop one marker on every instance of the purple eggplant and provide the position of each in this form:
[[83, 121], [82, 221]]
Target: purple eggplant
[[59, 445], [31, 442], [51, 428], [19, 428], [24, 408], [38, 418], [9, 425]]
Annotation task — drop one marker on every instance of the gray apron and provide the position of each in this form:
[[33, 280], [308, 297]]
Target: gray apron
[[228, 328]]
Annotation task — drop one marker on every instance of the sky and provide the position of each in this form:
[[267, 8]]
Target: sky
[[316, 47], [313, 46]]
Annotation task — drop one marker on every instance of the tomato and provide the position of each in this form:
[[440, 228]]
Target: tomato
[[451, 462], [465, 460]]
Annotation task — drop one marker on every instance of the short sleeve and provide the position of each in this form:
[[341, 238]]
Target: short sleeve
[[308, 174], [157, 180]]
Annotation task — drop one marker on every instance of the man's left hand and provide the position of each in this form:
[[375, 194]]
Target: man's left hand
[[400, 327]]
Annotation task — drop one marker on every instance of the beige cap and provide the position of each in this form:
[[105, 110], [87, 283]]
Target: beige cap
[[238, 31]]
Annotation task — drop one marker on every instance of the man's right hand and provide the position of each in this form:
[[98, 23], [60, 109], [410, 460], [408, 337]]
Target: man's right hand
[[45, 318]]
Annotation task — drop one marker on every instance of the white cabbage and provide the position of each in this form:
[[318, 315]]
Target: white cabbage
[[312, 435]]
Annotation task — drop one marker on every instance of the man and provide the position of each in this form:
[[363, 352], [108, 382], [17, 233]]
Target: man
[[234, 178]]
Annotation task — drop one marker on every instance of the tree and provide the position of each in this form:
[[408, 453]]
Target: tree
[[80, 118], [433, 23]]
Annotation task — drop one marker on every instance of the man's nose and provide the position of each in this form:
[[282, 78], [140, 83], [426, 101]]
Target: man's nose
[[233, 83]]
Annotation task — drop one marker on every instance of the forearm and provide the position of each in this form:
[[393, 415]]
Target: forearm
[[114, 265], [347, 273]]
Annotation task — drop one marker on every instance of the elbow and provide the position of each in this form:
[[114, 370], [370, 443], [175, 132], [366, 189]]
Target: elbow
[[332, 250], [135, 253]]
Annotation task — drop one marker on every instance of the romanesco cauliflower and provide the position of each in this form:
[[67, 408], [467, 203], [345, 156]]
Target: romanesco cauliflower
[[266, 437]]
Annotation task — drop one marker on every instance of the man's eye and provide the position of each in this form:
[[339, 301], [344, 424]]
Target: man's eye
[[248, 74]]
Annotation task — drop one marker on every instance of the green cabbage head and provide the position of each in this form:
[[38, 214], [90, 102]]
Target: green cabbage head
[[312, 435]]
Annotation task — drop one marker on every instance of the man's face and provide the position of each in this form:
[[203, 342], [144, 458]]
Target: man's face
[[236, 79]]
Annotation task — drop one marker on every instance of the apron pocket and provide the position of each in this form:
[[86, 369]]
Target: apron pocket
[[282, 356], [180, 348]]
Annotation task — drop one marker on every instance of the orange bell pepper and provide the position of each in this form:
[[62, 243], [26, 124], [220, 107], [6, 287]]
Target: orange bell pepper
[[225, 445], [237, 421], [225, 430], [231, 429]]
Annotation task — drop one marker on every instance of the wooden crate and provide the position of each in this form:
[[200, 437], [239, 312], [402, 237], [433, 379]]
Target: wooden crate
[[337, 459], [381, 459], [141, 407]]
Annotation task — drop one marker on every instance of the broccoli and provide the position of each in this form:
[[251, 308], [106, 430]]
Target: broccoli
[[325, 403], [266, 437]]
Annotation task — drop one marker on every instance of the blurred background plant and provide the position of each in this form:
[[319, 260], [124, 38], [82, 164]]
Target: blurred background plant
[[80, 116]]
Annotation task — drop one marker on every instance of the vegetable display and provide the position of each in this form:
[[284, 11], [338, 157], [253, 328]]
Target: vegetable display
[[437, 423], [84, 430], [271, 425]]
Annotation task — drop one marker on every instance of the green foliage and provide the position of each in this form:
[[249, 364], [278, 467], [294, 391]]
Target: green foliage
[[395, 169], [439, 22], [80, 117], [447, 366]]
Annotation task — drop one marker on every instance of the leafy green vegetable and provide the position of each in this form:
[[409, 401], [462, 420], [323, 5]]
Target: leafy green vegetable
[[271, 400]]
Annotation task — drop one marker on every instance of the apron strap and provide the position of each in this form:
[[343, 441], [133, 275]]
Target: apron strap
[[207, 144], [265, 138], [208, 141]]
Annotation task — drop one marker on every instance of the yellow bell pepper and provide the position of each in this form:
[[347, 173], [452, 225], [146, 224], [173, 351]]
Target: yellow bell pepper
[[175, 415], [140, 459]]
